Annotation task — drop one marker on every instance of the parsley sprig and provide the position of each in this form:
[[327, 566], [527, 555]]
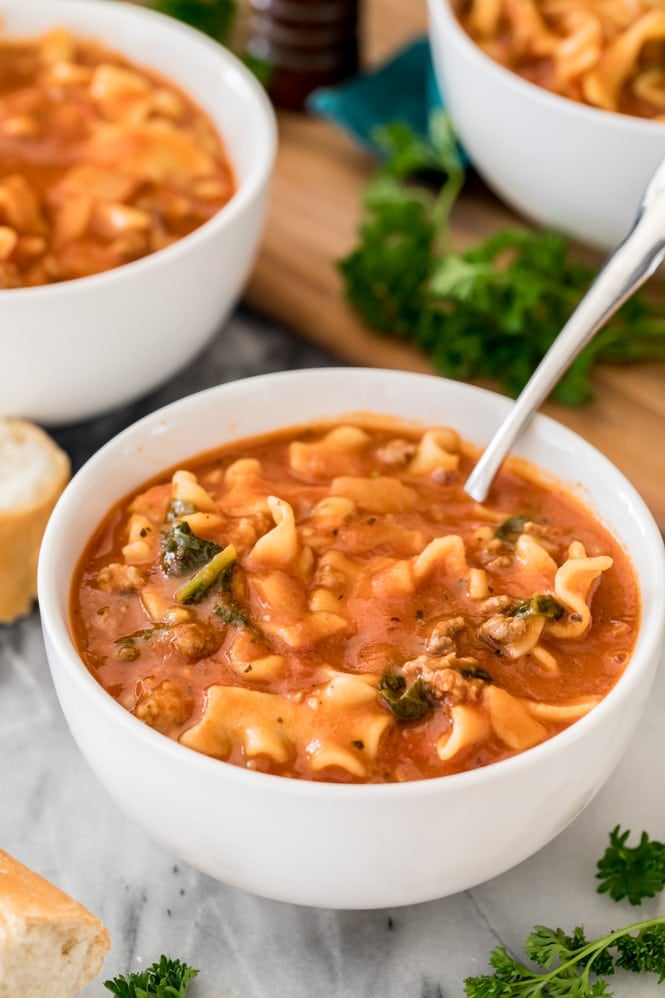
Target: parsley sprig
[[164, 979], [490, 311], [573, 967], [570, 966], [632, 872], [213, 17]]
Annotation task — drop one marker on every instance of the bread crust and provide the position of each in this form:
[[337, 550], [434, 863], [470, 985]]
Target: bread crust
[[32, 907], [22, 528], [26, 893]]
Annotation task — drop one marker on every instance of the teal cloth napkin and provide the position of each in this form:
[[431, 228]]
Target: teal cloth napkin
[[402, 89]]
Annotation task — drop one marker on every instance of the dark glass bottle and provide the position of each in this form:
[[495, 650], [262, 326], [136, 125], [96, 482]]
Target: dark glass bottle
[[306, 44]]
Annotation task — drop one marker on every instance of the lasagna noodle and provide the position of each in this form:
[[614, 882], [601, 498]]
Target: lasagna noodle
[[607, 53]]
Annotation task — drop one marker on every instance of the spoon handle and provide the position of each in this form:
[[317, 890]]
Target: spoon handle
[[629, 266]]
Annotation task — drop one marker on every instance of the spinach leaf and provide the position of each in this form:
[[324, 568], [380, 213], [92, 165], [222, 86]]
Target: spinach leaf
[[143, 635], [407, 704], [511, 528], [538, 605], [183, 551], [218, 569], [232, 614]]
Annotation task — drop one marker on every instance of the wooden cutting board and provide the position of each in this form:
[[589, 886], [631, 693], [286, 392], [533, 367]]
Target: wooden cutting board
[[312, 220]]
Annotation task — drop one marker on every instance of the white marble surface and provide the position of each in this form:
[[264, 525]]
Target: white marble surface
[[57, 819]]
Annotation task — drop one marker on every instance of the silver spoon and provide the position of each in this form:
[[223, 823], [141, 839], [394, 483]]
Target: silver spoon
[[625, 270]]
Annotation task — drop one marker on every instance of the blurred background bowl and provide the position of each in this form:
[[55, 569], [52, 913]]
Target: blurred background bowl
[[78, 348], [326, 844], [567, 166]]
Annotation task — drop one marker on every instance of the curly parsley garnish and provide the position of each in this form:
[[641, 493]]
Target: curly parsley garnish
[[632, 872], [164, 979], [570, 966]]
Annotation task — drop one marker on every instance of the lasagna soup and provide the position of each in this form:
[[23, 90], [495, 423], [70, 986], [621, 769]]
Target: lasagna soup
[[328, 604], [607, 53], [101, 161]]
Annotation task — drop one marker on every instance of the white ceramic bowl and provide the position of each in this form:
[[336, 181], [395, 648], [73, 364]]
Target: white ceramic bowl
[[75, 349], [342, 846], [577, 169]]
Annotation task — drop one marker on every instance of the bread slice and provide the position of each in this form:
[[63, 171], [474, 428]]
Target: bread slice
[[33, 473], [50, 945]]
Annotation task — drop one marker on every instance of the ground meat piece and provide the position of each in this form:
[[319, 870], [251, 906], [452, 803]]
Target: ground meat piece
[[162, 707], [442, 637], [397, 451], [120, 577], [193, 640], [493, 554], [451, 683], [500, 630], [496, 604], [442, 677]]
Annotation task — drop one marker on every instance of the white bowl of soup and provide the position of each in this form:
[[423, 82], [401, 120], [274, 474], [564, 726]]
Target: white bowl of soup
[[134, 175], [362, 688], [577, 167]]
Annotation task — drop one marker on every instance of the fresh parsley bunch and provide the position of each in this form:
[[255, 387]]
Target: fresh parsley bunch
[[569, 966], [164, 979], [487, 312]]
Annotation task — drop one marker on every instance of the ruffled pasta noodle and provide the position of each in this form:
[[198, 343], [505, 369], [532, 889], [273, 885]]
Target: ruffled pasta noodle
[[328, 604], [101, 161], [606, 53]]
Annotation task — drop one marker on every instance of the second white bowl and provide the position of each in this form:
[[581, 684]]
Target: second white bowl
[[577, 169], [75, 349]]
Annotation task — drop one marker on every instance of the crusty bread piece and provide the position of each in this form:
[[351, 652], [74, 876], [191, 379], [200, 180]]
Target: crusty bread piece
[[50, 945], [33, 473]]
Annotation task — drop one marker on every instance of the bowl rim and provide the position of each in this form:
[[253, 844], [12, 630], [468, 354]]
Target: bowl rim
[[646, 654], [441, 12], [258, 109]]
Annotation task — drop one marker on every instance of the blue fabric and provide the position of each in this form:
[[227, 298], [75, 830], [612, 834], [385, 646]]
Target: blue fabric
[[402, 89]]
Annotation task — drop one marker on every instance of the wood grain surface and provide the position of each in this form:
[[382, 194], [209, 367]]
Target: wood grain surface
[[313, 217]]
